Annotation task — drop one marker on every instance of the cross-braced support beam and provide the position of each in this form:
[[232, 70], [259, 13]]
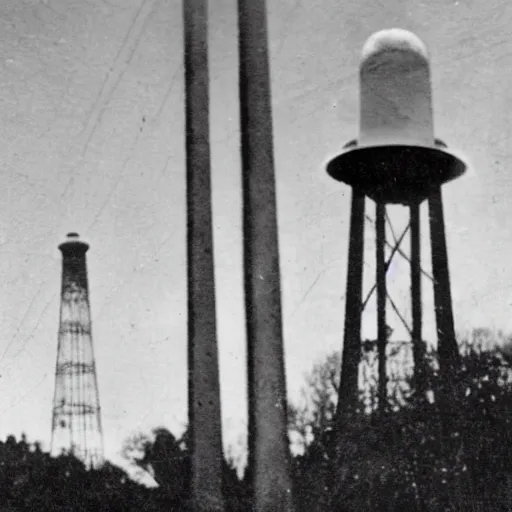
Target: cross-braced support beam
[[448, 352]]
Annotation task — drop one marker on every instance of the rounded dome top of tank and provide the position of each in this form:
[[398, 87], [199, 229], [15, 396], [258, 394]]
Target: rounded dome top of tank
[[393, 39]]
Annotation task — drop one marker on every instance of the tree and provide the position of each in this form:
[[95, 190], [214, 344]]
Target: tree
[[315, 414], [32, 480], [408, 458], [167, 460]]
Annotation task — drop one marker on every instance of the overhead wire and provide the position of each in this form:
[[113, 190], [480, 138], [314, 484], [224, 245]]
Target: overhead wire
[[129, 155], [136, 27], [23, 320], [131, 38]]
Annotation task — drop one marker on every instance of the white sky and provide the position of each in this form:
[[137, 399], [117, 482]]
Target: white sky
[[91, 131]]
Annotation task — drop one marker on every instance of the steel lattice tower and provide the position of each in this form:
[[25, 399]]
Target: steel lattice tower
[[76, 420]]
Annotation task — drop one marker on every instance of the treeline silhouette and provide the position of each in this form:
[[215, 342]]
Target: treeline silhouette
[[32, 480], [419, 453], [422, 453]]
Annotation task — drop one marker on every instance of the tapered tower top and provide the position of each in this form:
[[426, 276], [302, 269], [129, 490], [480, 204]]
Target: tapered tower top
[[73, 246]]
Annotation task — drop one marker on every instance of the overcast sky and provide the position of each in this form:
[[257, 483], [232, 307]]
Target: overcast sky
[[91, 138]]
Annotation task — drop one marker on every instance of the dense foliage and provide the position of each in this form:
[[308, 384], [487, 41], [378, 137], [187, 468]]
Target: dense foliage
[[436, 452], [422, 453], [166, 459], [32, 480]]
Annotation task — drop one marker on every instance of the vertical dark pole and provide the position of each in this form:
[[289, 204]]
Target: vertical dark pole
[[448, 352], [382, 335], [348, 393], [418, 347], [204, 395], [447, 344], [269, 457]]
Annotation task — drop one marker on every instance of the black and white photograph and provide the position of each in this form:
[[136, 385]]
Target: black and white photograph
[[255, 256]]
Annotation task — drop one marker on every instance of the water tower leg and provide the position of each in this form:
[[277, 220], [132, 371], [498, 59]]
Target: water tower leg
[[382, 335], [348, 392], [447, 343], [418, 347]]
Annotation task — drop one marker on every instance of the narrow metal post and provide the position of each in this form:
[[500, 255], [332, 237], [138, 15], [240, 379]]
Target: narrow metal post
[[269, 456], [204, 394], [348, 392], [380, 230], [447, 349], [418, 347], [449, 357]]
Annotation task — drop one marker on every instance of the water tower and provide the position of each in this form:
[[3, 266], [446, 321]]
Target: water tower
[[395, 160]]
